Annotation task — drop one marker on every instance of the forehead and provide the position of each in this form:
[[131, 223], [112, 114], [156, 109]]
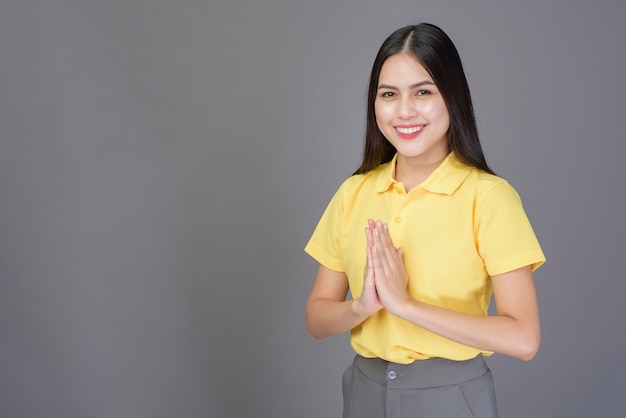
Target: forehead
[[401, 68]]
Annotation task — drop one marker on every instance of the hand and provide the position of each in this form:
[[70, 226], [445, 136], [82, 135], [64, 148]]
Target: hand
[[390, 273], [369, 301]]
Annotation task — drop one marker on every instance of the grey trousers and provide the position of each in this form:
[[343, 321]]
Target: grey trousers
[[436, 388]]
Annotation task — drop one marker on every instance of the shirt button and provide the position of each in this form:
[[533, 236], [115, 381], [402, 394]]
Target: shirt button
[[392, 375], [398, 219]]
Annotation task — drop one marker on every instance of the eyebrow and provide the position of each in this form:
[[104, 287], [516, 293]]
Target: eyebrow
[[414, 86]]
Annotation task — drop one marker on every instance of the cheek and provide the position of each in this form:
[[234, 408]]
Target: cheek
[[438, 112], [383, 112]]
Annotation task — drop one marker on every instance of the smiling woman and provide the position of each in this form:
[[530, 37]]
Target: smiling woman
[[412, 115], [422, 235]]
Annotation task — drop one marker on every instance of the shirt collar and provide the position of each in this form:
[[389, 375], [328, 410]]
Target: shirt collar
[[446, 178]]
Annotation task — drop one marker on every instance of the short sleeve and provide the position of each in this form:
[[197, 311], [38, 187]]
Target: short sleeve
[[324, 244], [504, 236]]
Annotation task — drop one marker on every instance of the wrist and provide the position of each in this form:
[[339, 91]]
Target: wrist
[[359, 309], [403, 308]]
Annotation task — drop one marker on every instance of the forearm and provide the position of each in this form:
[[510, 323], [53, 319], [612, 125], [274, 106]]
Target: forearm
[[502, 334], [326, 318]]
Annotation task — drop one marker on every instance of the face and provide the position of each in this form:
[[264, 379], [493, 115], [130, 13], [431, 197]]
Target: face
[[410, 111]]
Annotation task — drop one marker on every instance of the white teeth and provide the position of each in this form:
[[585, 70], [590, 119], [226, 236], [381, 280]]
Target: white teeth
[[410, 130]]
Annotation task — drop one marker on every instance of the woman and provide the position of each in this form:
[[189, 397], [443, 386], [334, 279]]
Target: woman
[[422, 235]]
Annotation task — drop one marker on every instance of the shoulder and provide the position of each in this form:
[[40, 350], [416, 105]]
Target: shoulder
[[488, 185], [371, 179], [494, 198]]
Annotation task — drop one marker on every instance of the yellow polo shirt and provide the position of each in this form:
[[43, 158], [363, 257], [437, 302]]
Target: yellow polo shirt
[[456, 229]]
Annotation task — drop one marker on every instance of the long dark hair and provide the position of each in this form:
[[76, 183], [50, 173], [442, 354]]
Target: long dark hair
[[432, 48]]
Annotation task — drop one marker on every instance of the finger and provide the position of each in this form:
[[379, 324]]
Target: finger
[[377, 259], [393, 263], [383, 241], [382, 260], [386, 237], [383, 230], [371, 226], [370, 237], [369, 266], [394, 253]]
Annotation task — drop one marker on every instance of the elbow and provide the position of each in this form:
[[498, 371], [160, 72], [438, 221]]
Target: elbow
[[314, 330], [528, 349], [317, 334], [311, 330]]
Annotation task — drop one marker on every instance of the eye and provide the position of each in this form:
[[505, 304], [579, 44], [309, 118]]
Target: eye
[[387, 94], [422, 92]]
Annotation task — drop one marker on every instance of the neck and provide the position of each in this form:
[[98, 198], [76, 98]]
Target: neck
[[412, 173]]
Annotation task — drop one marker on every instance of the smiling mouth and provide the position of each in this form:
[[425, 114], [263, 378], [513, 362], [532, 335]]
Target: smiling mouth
[[409, 131]]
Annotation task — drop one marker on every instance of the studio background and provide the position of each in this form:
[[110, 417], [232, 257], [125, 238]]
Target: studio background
[[162, 165]]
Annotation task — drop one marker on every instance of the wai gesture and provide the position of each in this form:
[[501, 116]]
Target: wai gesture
[[385, 272]]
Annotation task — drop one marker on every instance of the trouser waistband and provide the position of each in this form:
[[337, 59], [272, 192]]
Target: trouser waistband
[[421, 374]]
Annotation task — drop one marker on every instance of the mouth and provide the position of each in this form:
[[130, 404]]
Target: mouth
[[409, 132]]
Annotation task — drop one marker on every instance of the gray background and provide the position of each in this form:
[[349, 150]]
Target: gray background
[[162, 165]]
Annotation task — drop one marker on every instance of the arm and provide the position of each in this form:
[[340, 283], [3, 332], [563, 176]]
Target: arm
[[328, 312], [514, 331]]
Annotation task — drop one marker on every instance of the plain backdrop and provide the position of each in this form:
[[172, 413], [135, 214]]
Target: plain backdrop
[[163, 163]]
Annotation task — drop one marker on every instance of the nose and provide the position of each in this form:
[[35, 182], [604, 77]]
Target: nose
[[406, 108]]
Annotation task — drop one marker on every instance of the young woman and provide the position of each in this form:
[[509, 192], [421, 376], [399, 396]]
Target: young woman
[[422, 235]]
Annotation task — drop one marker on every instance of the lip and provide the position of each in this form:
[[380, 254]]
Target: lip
[[412, 132]]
